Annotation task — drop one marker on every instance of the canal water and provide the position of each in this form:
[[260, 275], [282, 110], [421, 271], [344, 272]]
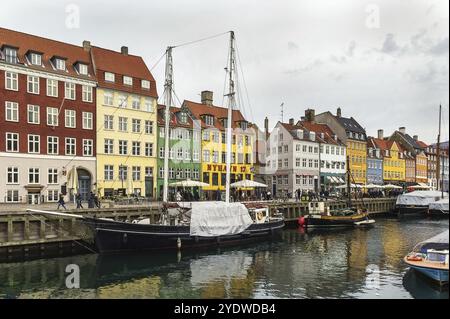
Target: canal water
[[354, 263]]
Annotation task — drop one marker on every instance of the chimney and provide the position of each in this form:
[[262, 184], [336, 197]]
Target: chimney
[[291, 121], [402, 130], [124, 50], [339, 112], [380, 134], [266, 125], [310, 115], [87, 45], [207, 97], [416, 137]]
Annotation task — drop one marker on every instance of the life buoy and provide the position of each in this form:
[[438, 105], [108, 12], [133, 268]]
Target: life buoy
[[259, 216]]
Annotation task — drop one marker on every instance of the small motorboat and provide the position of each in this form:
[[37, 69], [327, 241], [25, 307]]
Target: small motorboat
[[417, 202], [365, 223], [439, 208], [430, 258]]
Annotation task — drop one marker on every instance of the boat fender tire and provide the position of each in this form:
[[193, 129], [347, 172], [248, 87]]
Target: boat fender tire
[[259, 216]]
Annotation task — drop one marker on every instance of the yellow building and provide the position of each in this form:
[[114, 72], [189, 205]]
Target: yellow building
[[421, 168], [126, 124], [213, 121], [357, 154], [394, 165]]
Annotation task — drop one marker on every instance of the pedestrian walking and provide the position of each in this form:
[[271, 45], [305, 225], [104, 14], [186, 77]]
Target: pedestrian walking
[[79, 201], [61, 202]]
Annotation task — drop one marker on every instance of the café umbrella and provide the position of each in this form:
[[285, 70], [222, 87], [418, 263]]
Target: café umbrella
[[189, 183], [392, 186], [248, 184]]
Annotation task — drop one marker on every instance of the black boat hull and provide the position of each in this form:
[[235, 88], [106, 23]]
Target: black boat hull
[[411, 210], [312, 222], [111, 236]]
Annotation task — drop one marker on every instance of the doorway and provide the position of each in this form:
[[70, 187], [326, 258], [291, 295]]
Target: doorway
[[84, 183]]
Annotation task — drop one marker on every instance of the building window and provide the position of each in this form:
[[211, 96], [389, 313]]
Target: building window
[[82, 69], [109, 122], [123, 100], [136, 148], [136, 126], [70, 146], [205, 136], [11, 111], [52, 116], [60, 64], [12, 142], [196, 155], [148, 127], [52, 145], [88, 147], [136, 103], [12, 196], [12, 175], [88, 120], [123, 147], [52, 88], [209, 120], [304, 162], [148, 105], [148, 171], [286, 162], [161, 152], [12, 82], [52, 195], [70, 118], [123, 124], [53, 176], [136, 171], [33, 84], [109, 146], [109, 172], [110, 77], [128, 80], [206, 155], [149, 149], [33, 143], [70, 91], [33, 176], [108, 99], [145, 84], [86, 93], [11, 55]]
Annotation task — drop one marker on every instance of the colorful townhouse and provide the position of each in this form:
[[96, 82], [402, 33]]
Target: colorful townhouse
[[213, 122], [410, 166], [416, 148], [185, 148], [47, 119], [394, 166], [332, 152], [350, 132], [374, 161], [293, 160], [126, 123]]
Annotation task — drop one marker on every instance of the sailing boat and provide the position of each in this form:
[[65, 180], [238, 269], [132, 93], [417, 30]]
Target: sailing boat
[[320, 215], [201, 225]]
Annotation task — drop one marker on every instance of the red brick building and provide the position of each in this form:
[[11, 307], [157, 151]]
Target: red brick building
[[47, 119]]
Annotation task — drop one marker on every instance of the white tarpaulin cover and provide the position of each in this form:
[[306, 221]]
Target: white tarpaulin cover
[[441, 205], [419, 198], [210, 219]]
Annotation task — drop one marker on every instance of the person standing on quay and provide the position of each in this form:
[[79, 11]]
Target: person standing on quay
[[61, 202]]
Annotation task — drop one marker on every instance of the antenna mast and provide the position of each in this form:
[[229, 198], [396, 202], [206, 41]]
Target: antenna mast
[[282, 112], [231, 102], [438, 155], [168, 102]]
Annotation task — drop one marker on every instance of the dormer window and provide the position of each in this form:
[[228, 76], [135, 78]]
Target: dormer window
[[60, 64], [209, 120], [145, 84], [36, 59], [110, 77], [11, 55], [183, 117], [127, 80], [244, 125], [225, 122], [82, 69], [387, 152]]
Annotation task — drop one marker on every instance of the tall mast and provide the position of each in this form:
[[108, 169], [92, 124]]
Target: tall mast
[[168, 102], [438, 155], [348, 183], [231, 103]]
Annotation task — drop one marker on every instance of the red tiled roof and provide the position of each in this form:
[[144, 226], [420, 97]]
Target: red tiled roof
[[174, 120], [49, 49], [121, 64], [199, 109], [319, 128], [422, 144]]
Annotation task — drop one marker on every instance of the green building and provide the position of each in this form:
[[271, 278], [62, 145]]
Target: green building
[[185, 148]]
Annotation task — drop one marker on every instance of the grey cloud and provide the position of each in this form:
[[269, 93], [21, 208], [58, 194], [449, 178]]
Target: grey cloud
[[440, 48], [307, 68], [338, 59], [390, 45], [292, 46]]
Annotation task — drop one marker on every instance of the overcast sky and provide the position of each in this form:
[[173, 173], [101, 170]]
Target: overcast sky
[[386, 63]]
